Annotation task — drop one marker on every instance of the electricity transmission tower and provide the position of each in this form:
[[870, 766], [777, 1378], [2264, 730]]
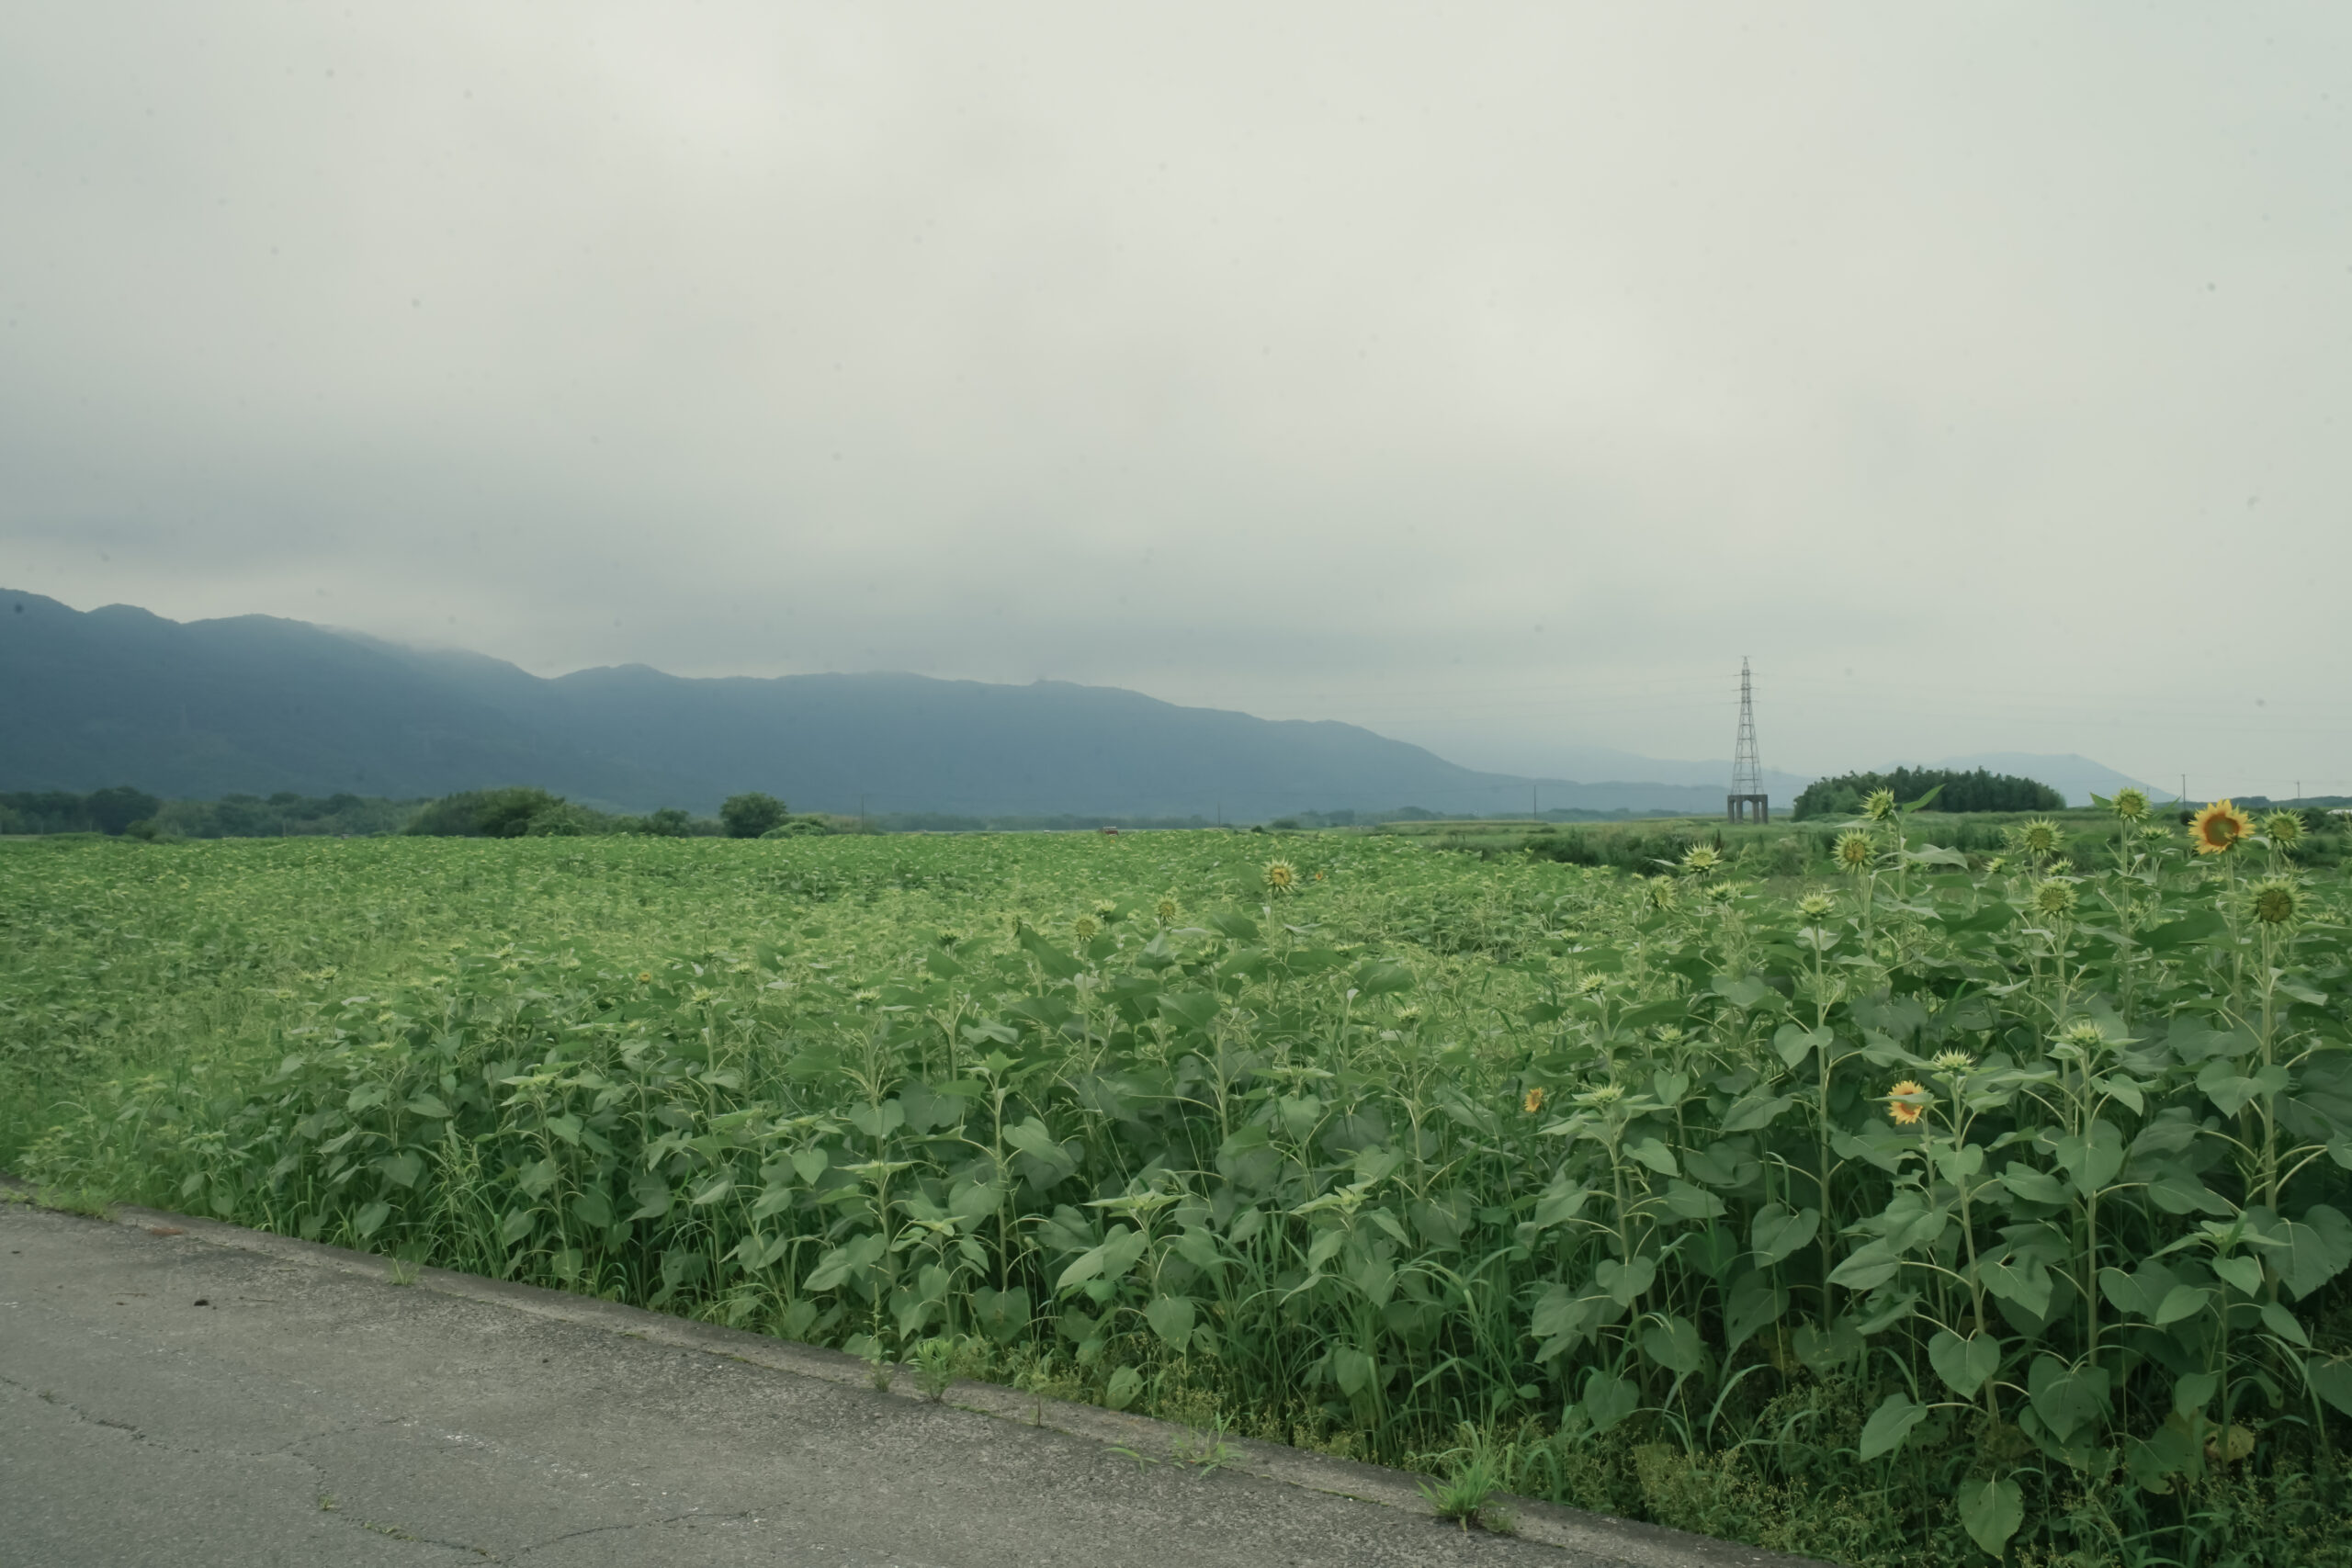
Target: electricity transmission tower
[[1747, 769]]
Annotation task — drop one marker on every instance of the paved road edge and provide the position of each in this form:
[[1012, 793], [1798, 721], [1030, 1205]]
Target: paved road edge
[[1639, 1545]]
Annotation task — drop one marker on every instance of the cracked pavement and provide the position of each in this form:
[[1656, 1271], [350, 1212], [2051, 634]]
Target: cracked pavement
[[307, 1416], [168, 1399]]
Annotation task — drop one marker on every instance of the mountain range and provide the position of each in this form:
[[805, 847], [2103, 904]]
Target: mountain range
[[252, 703]]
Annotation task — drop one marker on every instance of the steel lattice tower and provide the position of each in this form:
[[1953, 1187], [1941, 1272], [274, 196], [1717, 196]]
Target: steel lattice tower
[[1747, 768]]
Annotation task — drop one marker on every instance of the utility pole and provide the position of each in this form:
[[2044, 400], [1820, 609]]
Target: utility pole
[[1747, 769]]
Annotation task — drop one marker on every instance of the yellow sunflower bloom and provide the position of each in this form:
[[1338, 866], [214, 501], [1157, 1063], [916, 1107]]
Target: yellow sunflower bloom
[[2217, 830], [1905, 1102]]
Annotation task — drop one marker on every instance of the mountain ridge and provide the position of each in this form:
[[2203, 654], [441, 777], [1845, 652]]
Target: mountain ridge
[[255, 704]]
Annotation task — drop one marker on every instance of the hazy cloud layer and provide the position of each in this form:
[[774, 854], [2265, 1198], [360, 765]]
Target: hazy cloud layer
[[1495, 379]]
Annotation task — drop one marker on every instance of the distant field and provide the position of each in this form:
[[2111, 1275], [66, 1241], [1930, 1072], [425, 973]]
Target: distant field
[[1982, 1196], [1785, 850]]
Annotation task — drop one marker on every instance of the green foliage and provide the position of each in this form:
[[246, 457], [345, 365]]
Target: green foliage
[[516, 813], [809, 826], [1605, 1168], [1787, 850], [1961, 791], [1643, 849], [1471, 1475], [1066, 822], [935, 1360], [749, 816], [44, 811], [114, 809], [283, 815], [60, 811], [139, 815]]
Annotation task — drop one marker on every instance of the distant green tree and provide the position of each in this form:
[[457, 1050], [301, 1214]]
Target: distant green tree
[[1978, 790], [749, 816], [114, 809], [287, 813], [486, 813], [509, 813], [242, 817], [668, 823], [49, 811]]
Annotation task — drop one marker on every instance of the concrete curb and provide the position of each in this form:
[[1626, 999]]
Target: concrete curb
[[1597, 1535]]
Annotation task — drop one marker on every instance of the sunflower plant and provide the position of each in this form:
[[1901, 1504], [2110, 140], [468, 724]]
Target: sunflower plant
[[2007, 1206], [2218, 828]]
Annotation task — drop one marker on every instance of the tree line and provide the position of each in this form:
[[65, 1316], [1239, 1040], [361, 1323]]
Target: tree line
[[60, 811], [519, 812], [526, 813], [1980, 790]]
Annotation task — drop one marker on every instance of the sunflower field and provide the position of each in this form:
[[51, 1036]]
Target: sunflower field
[[1949, 1208]]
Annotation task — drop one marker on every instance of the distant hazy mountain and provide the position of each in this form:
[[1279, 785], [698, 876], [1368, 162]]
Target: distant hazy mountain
[[1571, 760], [252, 703]]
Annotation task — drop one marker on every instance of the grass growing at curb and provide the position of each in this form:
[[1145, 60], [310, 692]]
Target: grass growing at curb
[[1472, 1475], [1957, 1205], [68, 1202]]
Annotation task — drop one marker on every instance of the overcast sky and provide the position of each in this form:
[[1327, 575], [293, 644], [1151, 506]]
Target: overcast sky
[[1496, 377]]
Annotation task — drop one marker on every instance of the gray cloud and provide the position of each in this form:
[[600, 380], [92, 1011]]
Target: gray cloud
[[1498, 382]]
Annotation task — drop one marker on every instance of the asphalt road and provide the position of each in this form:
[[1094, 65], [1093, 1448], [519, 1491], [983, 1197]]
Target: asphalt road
[[211, 1396]]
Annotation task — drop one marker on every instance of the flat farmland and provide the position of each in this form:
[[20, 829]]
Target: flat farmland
[[1936, 1205]]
